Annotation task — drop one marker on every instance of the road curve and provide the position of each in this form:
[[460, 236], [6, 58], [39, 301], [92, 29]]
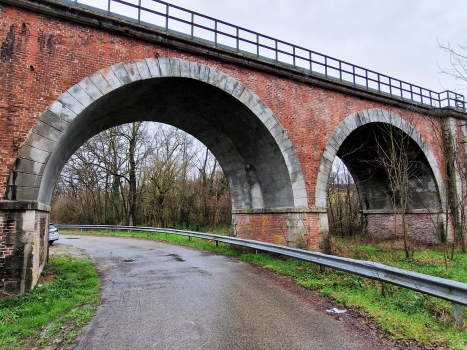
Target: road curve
[[161, 296]]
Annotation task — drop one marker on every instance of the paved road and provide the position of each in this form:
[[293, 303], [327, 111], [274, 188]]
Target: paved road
[[161, 296]]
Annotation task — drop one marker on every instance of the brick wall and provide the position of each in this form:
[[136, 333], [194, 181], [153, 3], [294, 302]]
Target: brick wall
[[420, 227], [43, 56]]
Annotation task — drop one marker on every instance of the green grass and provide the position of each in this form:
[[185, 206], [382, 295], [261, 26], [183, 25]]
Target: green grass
[[53, 310], [405, 314]]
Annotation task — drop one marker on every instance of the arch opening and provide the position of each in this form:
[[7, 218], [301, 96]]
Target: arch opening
[[244, 136], [243, 146], [380, 158]]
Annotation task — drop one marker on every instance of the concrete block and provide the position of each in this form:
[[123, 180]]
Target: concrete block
[[290, 159], [143, 69], [91, 89], [27, 193], [204, 72], [80, 95], [373, 116], [100, 82], [121, 73], [300, 202], [132, 70], [61, 111], [185, 71], [337, 135], [323, 169], [238, 90], [53, 120], [47, 131], [230, 85], [165, 67], [329, 153], [71, 103], [321, 195], [351, 122], [213, 76], [298, 185], [40, 142], [265, 115], [28, 166], [27, 180], [295, 167], [194, 70], [296, 177], [321, 186], [332, 142], [360, 119], [249, 99], [175, 66], [34, 154], [286, 144], [222, 80], [271, 123], [281, 136], [153, 66], [326, 162], [276, 130], [320, 202], [260, 107], [109, 75]]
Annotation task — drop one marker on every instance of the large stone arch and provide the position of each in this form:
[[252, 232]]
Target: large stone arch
[[241, 131], [433, 179]]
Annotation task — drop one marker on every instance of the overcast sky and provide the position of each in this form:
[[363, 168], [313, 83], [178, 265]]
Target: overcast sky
[[395, 37], [398, 38]]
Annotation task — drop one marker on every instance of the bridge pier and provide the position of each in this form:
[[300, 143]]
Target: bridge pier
[[294, 227], [23, 244], [422, 226]]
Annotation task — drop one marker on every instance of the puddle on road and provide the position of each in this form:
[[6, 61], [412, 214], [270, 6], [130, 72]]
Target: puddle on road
[[176, 257], [128, 260]]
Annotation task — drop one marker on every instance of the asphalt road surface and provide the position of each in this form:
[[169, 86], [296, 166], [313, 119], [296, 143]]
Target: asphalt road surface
[[161, 296]]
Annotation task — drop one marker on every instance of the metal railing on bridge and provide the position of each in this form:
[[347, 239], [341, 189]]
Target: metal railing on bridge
[[450, 290], [179, 21]]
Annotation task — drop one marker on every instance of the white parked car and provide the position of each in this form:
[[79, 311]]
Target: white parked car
[[53, 234]]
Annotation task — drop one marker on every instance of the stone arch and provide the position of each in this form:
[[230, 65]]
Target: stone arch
[[240, 130], [352, 123]]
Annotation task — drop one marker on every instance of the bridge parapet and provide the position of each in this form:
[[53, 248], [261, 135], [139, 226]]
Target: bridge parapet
[[177, 21]]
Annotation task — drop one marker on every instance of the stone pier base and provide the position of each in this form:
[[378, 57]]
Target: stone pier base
[[23, 244], [422, 226], [294, 228]]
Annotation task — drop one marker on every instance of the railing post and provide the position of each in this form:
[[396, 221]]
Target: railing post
[[139, 11], [458, 317], [167, 19], [293, 55], [108, 6], [192, 25], [257, 45], [238, 39]]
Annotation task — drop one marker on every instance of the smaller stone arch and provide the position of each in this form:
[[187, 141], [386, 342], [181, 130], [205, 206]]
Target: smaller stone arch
[[44, 153], [357, 120]]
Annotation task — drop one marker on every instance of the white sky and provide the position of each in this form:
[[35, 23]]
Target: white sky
[[398, 38], [394, 37]]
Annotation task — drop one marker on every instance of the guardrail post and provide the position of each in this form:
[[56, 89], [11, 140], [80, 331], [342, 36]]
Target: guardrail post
[[217, 243], [458, 317]]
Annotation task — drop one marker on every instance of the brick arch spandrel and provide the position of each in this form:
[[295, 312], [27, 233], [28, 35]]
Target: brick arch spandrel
[[31, 165]]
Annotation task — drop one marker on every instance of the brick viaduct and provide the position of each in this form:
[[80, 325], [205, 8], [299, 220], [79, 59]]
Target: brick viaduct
[[67, 74]]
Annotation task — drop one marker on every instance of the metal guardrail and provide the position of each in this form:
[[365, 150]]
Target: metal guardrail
[[453, 291], [180, 21]]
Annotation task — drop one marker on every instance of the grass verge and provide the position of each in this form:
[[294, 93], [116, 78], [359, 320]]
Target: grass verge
[[64, 299], [404, 314]]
